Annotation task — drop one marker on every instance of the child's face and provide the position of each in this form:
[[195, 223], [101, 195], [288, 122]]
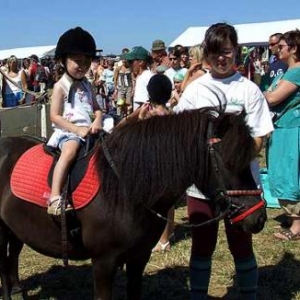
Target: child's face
[[222, 62], [78, 65]]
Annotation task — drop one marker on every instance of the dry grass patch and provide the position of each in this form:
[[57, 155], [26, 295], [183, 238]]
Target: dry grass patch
[[167, 275]]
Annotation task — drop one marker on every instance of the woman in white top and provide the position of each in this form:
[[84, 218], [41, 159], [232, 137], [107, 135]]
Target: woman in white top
[[12, 84], [238, 94]]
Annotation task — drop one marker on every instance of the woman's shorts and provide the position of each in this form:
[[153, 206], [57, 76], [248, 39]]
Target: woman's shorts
[[12, 99]]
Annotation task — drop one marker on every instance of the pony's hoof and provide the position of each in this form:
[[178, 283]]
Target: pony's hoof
[[17, 294], [160, 247]]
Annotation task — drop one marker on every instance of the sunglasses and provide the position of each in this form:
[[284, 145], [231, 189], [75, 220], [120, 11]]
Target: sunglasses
[[172, 58], [175, 82], [280, 47], [273, 44]]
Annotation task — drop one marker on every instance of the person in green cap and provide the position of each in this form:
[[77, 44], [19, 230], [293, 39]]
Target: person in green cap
[[139, 60]]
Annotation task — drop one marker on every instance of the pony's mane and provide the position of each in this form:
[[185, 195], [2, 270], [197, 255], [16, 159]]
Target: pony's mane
[[237, 147], [162, 155]]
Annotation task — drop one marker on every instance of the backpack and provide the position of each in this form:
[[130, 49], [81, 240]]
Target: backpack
[[40, 74]]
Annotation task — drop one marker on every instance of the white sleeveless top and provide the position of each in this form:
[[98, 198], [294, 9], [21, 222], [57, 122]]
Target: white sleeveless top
[[78, 106], [78, 101], [12, 88]]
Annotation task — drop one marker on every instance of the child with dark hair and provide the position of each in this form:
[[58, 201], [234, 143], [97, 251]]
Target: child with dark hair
[[74, 110], [159, 89]]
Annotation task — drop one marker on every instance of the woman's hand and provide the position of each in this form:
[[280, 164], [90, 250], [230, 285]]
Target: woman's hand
[[193, 68]]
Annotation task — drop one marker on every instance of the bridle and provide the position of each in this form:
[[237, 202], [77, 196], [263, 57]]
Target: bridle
[[235, 213]]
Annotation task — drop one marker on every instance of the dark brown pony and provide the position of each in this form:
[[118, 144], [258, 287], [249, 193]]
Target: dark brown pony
[[155, 161]]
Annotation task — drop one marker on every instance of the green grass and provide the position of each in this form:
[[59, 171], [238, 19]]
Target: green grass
[[167, 276]]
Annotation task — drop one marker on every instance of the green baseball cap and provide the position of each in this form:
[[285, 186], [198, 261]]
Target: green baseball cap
[[137, 52]]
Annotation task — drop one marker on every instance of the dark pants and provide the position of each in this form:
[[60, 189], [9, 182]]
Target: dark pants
[[204, 238]]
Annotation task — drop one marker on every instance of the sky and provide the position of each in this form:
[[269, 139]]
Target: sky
[[119, 24]]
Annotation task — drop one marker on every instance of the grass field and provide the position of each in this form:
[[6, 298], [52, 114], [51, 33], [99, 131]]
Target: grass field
[[167, 276]]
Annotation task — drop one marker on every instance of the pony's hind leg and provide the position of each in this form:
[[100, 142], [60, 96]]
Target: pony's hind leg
[[4, 262], [14, 250], [134, 273]]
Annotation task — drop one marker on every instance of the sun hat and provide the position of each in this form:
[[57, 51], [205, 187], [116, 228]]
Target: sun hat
[[178, 77], [137, 52], [158, 45]]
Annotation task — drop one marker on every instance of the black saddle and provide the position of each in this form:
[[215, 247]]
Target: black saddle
[[79, 166]]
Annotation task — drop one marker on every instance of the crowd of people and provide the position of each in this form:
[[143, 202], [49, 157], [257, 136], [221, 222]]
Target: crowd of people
[[140, 84], [22, 79]]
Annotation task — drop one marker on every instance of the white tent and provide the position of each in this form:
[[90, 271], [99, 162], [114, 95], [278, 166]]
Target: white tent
[[251, 34], [20, 53]]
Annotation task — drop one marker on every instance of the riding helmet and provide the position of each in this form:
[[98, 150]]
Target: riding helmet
[[75, 41], [159, 89]]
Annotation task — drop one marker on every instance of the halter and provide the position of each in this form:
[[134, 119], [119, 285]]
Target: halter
[[232, 210]]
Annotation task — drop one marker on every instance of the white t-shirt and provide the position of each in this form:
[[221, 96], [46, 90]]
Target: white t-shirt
[[140, 92], [108, 76], [235, 93]]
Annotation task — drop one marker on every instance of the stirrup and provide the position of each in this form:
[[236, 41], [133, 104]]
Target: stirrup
[[54, 206]]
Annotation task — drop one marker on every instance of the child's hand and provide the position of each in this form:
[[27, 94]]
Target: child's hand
[[145, 111], [95, 127], [82, 131]]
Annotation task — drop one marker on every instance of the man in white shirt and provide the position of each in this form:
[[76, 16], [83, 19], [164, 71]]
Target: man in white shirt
[[139, 60]]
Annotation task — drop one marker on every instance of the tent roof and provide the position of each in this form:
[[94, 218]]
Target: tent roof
[[251, 34], [20, 53]]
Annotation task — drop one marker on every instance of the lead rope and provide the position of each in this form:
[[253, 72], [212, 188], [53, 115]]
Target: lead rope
[[107, 155], [64, 235]]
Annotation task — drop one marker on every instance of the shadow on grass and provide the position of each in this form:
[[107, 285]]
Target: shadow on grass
[[75, 282], [284, 220], [276, 282]]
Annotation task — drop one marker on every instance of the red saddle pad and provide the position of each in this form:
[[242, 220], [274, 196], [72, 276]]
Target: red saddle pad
[[29, 179]]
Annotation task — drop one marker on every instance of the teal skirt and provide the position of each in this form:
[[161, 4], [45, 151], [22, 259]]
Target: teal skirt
[[283, 163]]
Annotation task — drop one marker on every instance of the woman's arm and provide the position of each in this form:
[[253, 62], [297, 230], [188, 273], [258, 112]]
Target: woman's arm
[[282, 91], [23, 80], [193, 72]]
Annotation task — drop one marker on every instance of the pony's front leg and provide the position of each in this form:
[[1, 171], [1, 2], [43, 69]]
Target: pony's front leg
[[134, 273], [103, 273], [15, 247], [4, 263]]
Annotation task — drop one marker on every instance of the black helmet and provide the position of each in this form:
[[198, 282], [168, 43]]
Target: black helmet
[[75, 41]]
